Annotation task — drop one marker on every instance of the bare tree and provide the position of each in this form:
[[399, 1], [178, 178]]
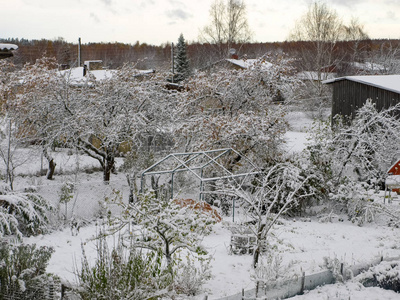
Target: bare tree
[[321, 28], [228, 25]]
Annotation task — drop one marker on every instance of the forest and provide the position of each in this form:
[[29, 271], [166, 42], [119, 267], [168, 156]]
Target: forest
[[201, 55]]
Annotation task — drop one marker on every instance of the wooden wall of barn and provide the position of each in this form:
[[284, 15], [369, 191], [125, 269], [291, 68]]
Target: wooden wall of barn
[[348, 96]]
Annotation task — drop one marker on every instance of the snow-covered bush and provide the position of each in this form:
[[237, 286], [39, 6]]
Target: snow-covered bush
[[191, 275], [351, 158], [357, 198], [165, 225], [122, 273], [22, 213], [386, 275], [23, 271], [269, 270]]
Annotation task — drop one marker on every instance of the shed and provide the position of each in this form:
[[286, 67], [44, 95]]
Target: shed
[[6, 50], [392, 182], [351, 92]]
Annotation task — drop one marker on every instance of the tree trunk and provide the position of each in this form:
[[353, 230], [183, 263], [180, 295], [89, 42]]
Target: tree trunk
[[109, 166], [132, 187], [52, 164], [258, 248], [52, 167]]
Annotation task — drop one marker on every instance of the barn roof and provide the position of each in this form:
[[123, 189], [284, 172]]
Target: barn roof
[[386, 82], [4, 47]]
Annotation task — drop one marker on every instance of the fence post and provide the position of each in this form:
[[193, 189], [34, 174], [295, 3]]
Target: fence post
[[303, 281], [341, 269], [242, 294]]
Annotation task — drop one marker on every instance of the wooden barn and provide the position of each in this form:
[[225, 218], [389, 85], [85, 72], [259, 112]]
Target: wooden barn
[[351, 92]]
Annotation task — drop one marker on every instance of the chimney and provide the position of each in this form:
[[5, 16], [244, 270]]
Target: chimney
[[233, 54]]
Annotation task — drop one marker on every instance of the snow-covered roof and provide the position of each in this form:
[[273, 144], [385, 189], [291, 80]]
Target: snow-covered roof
[[386, 82], [76, 74], [247, 63], [8, 47], [312, 75], [368, 66]]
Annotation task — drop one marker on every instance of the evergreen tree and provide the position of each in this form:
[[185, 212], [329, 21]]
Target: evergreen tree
[[182, 69]]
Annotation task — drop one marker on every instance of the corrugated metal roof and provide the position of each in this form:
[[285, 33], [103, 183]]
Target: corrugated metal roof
[[386, 82]]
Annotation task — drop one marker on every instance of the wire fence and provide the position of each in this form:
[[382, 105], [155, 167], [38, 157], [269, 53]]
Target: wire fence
[[296, 286]]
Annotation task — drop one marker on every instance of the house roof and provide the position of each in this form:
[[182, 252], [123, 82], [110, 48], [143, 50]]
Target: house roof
[[76, 74], [386, 82], [247, 63]]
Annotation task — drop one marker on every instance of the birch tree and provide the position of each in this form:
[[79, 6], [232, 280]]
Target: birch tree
[[228, 25]]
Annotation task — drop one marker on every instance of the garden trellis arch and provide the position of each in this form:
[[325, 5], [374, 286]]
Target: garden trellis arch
[[196, 163]]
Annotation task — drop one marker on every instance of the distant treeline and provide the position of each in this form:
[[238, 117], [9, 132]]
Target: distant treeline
[[147, 56]]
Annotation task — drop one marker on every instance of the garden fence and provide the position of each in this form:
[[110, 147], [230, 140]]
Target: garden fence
[[297, 286]]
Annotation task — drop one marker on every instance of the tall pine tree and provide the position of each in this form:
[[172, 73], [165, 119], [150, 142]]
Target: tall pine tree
[[182, 69]]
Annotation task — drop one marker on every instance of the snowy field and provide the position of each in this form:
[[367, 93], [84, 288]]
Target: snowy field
[[302, 243]]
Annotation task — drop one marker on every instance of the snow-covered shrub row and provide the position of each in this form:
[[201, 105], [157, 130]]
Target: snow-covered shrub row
[[386, 275], [23, 271]]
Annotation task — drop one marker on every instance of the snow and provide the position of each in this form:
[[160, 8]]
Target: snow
[[76, 74], [393, 181], [302, 243], [8, 46], [351, 290], [387, 82], [248, 63], [315, 76], [368, 66]]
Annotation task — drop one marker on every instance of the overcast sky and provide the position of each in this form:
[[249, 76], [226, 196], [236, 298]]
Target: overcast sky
[[160, 21]]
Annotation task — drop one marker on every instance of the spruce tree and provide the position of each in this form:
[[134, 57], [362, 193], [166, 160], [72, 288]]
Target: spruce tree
[[182, 69]]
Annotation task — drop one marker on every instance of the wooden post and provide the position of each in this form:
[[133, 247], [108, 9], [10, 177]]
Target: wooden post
[[242, 294], [63, 288], [303, 281]]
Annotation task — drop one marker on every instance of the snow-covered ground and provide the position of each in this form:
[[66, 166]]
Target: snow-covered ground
[[301, 243]]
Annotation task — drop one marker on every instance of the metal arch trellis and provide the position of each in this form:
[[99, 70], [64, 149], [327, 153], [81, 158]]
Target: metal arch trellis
[[183, 161]]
